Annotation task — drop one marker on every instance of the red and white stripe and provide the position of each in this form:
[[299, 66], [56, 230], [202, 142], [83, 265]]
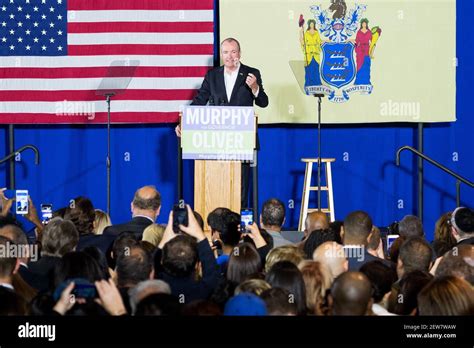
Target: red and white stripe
[[172, 41]]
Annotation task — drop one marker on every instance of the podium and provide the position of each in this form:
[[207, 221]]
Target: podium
[[216, 184], [218, 139]]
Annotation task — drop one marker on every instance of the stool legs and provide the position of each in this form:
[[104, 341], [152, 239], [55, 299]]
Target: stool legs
[[330, 192], [305, 199], [307, 188]]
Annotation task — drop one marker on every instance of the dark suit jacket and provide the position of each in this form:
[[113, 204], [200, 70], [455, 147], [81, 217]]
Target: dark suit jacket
[[188, 286], [213, 89], [136, 226], [358, 257], [36, 281], [103, 242], [45, 267]]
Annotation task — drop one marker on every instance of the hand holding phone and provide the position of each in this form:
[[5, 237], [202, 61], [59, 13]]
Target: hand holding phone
[[85, 290], [246, 218], [21, 204], [82, 289], [180, 217]]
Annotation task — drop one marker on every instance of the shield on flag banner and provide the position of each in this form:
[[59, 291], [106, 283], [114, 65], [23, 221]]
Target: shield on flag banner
[[338, 66]]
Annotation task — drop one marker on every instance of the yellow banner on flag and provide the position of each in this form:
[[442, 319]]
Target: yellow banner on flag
[[373, 60]]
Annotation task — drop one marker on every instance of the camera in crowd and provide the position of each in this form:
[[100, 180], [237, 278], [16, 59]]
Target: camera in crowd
[[180, 216]]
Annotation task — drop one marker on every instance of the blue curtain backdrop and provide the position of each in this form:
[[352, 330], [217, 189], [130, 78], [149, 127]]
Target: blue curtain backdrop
[[364, 174]]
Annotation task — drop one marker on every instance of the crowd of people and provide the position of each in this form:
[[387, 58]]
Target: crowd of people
[[82, 264]]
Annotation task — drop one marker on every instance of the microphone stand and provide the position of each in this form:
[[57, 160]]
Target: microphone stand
[[180, 167], [319, 96], [108, 162]]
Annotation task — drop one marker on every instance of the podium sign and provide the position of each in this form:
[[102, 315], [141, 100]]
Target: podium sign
[[223, 133]]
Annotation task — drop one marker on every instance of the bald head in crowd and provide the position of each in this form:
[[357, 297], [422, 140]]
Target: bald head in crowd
[[351, 294], [332, 255], [315, 220], [146, 202]]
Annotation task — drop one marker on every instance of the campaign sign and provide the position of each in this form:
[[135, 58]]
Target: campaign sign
[[225, 133]]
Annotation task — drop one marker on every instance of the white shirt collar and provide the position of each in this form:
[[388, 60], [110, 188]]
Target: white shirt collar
[[143, 216], [8, 286], [352, 246]]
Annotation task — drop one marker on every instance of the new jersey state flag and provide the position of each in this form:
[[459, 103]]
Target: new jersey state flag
[[59, 59]]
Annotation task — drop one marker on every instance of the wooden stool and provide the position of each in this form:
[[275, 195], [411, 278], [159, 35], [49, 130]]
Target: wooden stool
[[307, 188]]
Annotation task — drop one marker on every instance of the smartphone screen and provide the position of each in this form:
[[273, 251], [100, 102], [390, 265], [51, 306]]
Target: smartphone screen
[[246, 218], [22, 202], [85, 291], [390, 239], [46, 212], [180, 217]]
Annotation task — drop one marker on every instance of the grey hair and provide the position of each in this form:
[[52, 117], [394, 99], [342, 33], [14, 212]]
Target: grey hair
[[153, 286], [59, 237]]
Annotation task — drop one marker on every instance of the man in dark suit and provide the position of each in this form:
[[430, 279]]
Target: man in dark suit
[[17, 236], [357, 230], [146, 206], [233, 84]]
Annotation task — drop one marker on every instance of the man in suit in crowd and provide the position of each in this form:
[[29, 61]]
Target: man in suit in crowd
[[462, 226], [357, 231], [272, 219], [233, 84], [17, 236], [146, 206]]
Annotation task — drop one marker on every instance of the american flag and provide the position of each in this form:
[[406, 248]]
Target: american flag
[[56, 54]]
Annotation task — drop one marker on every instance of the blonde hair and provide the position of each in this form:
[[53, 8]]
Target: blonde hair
[[447, 295], [317, 279], [254, 286], [153, 234], [284, 253], [101, 221]]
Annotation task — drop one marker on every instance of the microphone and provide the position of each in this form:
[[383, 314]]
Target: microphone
[[221, 101], [211, 101]]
